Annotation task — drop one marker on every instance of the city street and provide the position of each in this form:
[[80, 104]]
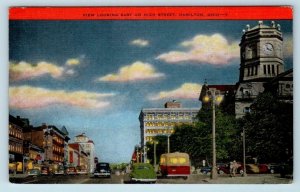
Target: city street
[[123, 179]]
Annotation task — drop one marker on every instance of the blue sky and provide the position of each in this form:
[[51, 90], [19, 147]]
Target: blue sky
[[96, 76]]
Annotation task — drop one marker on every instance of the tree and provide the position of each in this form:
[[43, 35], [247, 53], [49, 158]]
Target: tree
[[269, 129], [161, 147], [196, 139]]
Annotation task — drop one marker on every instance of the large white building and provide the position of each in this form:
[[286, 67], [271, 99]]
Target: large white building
[[161, 121], [89, 148]]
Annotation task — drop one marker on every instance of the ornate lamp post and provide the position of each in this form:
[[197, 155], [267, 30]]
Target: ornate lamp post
[[244, 153], [211, 96], [154, 152]]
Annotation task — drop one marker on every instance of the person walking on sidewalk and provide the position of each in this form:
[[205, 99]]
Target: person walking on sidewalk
[[234, 167]]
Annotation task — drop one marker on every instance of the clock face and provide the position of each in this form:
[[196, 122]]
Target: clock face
[[268, 48]]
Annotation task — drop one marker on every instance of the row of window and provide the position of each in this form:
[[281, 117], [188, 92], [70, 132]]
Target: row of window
[[174, 160], [159, 131], [171, 116], [58, 140], [162, 124], [16, 147], [57, 158], [268, 69], [15, 131], [57, 149]]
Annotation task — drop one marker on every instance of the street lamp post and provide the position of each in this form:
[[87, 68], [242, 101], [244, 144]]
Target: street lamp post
[[215, 100], [168, 143], [244, 153]]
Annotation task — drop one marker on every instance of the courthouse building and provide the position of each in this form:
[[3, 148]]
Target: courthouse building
[[261, 68]]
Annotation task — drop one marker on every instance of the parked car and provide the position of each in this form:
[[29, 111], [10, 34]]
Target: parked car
[[250, 168], [273, 168], [45, 170], [223, 168], [206, 170], [71, 171], [33, 172], [263, 168], [286, 170], [59, 170], [102, 170], [143, 172], [81, 170]]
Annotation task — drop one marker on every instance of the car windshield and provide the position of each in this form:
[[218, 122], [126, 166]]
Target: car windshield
[[102, 165]]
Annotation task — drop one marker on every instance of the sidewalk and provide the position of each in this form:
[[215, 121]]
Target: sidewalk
[[250, 179]]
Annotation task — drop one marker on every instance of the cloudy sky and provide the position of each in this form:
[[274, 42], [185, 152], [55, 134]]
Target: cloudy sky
[[94, 77]]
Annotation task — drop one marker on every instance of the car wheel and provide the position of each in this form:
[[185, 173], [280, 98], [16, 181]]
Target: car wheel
[[221, 172], [241, 172], [272, 171], [185, 178]]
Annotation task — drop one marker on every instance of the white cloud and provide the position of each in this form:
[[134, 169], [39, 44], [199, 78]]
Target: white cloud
[[24, 70], [27, 97], [140, 42], [134, 72], [185, 91], [73, 62], [214, 49]]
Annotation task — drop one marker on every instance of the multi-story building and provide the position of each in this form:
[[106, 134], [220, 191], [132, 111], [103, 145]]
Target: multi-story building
[[161, 121], [16, 139], [52, 140], [89, 148], [77, 155]]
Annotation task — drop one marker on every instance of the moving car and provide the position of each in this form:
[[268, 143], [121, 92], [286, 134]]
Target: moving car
[[175, 165], [102, 170], [143, 172]]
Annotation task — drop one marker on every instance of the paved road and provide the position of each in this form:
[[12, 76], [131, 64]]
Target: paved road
[[124, 179]]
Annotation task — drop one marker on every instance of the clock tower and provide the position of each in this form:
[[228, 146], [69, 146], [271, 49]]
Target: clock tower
[[261, 52], [261, 61]]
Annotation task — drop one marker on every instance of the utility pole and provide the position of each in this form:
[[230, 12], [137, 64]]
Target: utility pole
[[214, 162]]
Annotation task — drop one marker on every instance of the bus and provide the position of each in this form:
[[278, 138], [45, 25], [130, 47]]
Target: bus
[[175, 165]]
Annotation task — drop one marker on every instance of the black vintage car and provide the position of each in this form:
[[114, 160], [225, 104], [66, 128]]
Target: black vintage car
[[102, 170]]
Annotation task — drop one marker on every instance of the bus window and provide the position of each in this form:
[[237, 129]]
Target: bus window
[[173, 160], [182, 160], [162, 160]]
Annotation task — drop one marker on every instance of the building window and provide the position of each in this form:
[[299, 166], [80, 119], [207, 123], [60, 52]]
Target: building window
[[265, 69], [277, 69], [247, 110], [273, 69], [287, 86], [248, 71], [255, 70], [252, 71], [269, 70]]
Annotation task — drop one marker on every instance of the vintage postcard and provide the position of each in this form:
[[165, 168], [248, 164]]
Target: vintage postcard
[[156, 95]]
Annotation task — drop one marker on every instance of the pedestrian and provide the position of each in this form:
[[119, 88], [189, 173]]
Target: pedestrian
[[231, 168], [234, 167]]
